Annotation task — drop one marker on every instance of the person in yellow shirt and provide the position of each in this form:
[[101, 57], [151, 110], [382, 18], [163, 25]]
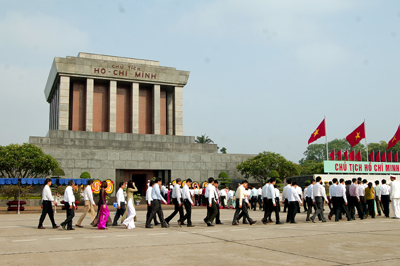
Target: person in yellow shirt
[[370, 198]]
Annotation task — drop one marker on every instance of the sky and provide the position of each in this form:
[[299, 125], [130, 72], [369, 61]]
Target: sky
[[263, 74]]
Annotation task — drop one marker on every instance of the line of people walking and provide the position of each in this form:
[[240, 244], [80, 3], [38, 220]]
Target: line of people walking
[[345, 198]]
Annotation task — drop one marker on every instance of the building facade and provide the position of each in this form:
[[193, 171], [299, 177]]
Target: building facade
[[122, 119]]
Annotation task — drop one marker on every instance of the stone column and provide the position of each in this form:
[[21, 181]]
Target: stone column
[[113, 106], [135, 108], [89, 104], [64, 103], [170, 113], [156, 110], [178, 109]]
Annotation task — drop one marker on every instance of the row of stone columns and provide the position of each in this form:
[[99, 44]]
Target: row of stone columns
[[174, 107]]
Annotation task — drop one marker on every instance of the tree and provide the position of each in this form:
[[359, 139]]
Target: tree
[[203, 139], [223, 150], [85, 175], [317, 152], [224, 179], [25, 161], [260, 166], [311, 168], [58, 172], [275, 174]]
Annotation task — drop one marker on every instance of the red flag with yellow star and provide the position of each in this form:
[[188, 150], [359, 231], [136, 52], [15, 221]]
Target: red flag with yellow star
[[395, 139], [319, 132], [357, 135]]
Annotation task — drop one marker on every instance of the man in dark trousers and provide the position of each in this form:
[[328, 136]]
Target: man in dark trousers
[[217, 218], [271, 202], [241, 205], [47, 199], [210, 200], [69, 203], [177, 200], [149, 200], [187, 201], [156, 205], [120, 202]]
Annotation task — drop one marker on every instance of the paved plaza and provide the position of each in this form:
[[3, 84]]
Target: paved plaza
[[367, 242]]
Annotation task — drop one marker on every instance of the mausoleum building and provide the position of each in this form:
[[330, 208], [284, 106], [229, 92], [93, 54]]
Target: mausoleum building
[[122, 118]]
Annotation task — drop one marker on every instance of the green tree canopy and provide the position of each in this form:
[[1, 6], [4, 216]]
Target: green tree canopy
[[58, 172], [317, 152], [203, 139], [25, 161], [85, 175], [261, 165], [224, 179], [274, 174], [223, 150]]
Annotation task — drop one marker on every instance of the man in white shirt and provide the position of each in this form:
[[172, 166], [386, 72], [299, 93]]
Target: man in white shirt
[[89, 204], [69, 203], [309, 199], [363, 202], [156, 205], [231, 199], [149, 200], [384, 197], [187, 201], [47, 199], [254, 198], [294, 202], [378, 203], [395, 196], [332, 196], [211, 202], [223, 195], [120, 202], [319, 195], [271, 203], [177, 201], [341, 201], [284, 195], [259, 198], [305, 197], [300, 192], [241, 205], [267, 212]]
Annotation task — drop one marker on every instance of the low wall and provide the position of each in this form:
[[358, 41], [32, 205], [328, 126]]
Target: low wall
[[29, 202]]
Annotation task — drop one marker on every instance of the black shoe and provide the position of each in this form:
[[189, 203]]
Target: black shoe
[[312, 220], [252, 222], [209, 224], [179, 223], [205, 220], [307, 220], [149, 226], [63, 226], [157, 224], [279, 223], [324, 221], [71, 228], [235, 224], [114, 224], [245, 223]]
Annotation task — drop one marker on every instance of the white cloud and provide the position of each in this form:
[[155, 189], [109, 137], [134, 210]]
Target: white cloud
[[38, 32]]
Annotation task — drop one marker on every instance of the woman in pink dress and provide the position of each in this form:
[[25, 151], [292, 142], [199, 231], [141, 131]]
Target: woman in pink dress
[[104, 212]]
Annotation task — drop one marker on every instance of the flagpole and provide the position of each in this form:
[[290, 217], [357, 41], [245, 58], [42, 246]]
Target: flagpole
[[366, 143], [326, 139]]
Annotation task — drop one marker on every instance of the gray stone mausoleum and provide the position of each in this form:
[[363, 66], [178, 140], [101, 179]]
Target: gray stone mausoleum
[[122, 119]]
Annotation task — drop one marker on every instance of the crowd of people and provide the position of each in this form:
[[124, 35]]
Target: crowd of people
[[344, 198]]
